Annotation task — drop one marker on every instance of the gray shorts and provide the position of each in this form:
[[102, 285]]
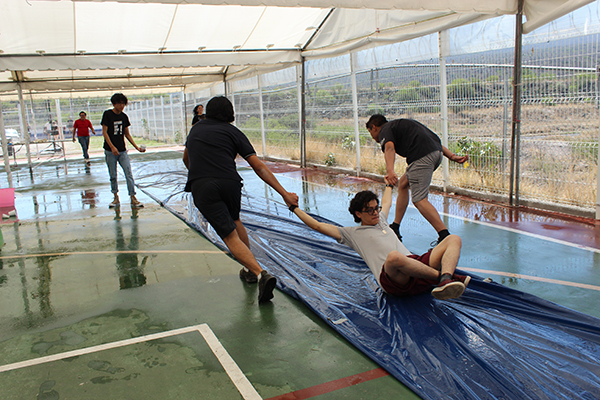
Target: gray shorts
[[419, 174]]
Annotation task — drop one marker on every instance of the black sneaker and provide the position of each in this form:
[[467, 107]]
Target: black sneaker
[[266, 284], [396, 228], [248, 276]]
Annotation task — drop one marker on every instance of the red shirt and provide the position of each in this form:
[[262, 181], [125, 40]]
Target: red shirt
[[82, 127]]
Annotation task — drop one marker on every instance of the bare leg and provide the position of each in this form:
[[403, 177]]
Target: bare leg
[[400, 268], [445, 255], [402, 200], [241, 251], [241, 230], [428, 211]]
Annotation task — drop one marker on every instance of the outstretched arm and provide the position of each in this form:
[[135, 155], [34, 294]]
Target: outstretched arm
[[390, 157], [453, 157], [386, 199], [267, 176], [326, 229]]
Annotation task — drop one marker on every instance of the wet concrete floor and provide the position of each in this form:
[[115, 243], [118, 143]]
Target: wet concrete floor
[[76, 274]]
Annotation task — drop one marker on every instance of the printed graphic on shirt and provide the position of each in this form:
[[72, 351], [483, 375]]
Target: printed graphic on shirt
[[118, 127]]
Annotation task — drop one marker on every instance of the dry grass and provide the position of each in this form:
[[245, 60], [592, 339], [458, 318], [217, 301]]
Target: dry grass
[[550, 169]]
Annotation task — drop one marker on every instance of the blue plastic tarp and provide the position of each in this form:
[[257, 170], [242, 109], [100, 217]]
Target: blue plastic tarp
[[492, 343]]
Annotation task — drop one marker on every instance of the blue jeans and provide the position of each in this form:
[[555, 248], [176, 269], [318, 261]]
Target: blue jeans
[[123, 159], [84, 141]]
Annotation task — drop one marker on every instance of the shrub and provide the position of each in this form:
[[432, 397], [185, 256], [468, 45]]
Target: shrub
[[329, 159]]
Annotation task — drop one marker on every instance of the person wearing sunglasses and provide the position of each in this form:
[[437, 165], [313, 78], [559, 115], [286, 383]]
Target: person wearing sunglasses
[[396, 270]]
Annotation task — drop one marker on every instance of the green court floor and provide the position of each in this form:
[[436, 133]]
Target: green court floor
[[100, 303]]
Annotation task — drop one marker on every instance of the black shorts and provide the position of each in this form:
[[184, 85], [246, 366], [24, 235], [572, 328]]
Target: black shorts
[[219, 202]]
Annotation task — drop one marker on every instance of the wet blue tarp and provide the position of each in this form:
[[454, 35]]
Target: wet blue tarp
[[492, 343]]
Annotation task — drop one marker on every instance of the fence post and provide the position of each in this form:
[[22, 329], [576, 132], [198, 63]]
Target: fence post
[[33, 116], [355, 110], [300, 83], [598, 163], [516, 116], [24, 126], [148, 118], [154, 117], [262, 117], [232, 90], [5, 150], [162, 112], [172, 115], [443, 51], [183, 108]]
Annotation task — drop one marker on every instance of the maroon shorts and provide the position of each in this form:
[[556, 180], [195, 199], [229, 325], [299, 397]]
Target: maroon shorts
[[414, 286]]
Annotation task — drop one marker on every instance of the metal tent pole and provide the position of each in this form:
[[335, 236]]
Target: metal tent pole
[[443, 51], [24, 125], [301, 83], [263, 134], [516, 115], [355, 110], [5, 150], [598, 148]]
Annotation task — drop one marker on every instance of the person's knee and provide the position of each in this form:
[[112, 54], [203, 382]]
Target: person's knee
[[453, 241], [395, 259], [403, 183], [231, 237], [420, 203]]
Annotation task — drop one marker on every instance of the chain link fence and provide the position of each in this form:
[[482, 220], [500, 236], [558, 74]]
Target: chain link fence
[[560, 122]]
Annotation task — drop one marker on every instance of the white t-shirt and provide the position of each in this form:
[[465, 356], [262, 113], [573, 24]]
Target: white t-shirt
[[373, 243]]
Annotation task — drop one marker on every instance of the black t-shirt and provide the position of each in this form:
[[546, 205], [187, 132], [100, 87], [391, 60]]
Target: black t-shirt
[[198, 118], [115, 124], [212, 147], [411, 138]]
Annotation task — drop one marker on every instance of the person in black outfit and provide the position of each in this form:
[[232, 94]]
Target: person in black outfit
[[423, 151], [198, 113], [210, 152], [115, 128]]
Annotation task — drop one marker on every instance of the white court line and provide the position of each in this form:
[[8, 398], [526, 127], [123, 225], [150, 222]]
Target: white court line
[[533, 278], [111, 252], [535, 235], [233, 371]]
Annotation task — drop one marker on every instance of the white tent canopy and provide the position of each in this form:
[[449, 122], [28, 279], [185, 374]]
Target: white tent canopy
[[84, 46]]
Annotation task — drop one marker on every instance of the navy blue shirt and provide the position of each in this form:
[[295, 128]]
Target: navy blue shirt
[[212, 147], [411, 138]]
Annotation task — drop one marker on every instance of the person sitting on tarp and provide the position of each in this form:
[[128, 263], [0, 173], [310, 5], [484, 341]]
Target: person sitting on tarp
[[209, 155], [396, 270]]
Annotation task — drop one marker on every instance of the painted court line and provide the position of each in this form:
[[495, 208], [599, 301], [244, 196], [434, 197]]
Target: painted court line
[[332, 386], [533, 278], [521, 232], [233, 371], [114, 252]]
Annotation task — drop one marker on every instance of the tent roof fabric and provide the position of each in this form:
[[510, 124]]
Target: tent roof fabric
[[50, 46]]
